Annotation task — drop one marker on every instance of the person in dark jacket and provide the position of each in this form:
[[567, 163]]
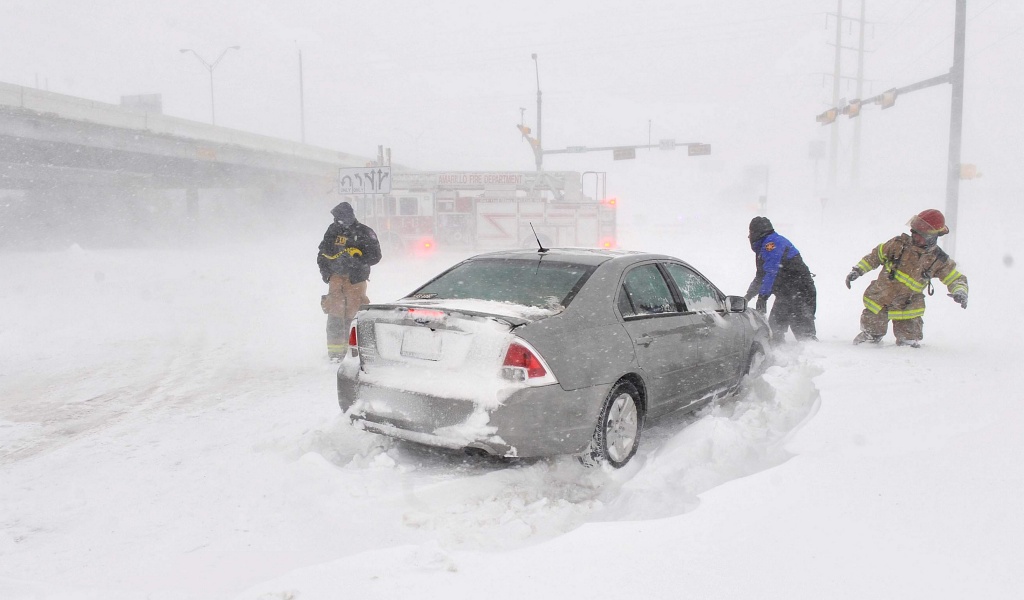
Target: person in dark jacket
[[346, 254], [781, 271]]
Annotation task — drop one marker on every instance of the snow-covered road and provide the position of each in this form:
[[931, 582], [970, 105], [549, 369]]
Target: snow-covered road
[[169, 429]]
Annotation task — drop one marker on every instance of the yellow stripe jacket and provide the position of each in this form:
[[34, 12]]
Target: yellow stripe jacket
[[907, 270]]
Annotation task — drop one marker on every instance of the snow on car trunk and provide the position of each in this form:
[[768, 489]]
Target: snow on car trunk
[[452, 349]]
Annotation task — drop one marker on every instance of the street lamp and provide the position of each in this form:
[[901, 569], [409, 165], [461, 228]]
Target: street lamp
[[539, 149], [210, 67]]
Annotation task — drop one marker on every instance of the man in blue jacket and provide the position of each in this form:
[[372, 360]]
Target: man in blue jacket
[[781, 271]]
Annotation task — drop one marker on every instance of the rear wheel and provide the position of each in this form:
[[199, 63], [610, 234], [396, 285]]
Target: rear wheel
[[617, 435]]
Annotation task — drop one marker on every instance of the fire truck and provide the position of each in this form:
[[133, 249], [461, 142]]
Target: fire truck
[[489, 210]]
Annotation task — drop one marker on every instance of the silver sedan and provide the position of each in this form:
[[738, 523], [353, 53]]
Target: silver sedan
[[528, 353]]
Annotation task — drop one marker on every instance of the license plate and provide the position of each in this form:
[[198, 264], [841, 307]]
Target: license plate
[[421, 343]]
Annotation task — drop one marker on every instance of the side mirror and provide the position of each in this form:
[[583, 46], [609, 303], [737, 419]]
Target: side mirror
[[736, 303]]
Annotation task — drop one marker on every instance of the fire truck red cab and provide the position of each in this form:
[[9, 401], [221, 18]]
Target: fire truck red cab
[[489, 210]]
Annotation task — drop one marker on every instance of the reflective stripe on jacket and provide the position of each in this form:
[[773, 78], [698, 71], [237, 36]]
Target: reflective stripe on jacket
[[906, 272]]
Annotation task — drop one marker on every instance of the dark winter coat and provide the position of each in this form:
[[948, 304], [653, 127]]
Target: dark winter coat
[[780, 269], [348, 251]]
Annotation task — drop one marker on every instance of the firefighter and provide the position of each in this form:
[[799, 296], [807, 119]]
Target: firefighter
[[909, 263], [781, 271], [346, 254]]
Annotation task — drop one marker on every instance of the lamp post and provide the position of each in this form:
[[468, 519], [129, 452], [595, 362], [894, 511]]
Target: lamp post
[[210, 67], [539, 149]]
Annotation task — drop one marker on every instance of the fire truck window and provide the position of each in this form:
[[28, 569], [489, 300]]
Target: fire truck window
[[408, 206], [426, 206]]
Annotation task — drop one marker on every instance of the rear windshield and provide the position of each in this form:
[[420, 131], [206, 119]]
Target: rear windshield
[[536, 283]]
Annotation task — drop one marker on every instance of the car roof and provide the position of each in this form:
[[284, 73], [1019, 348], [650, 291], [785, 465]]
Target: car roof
[[584, 256]]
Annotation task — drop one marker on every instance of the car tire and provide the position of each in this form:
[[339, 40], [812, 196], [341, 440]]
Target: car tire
[[757, 361], [619, 426]]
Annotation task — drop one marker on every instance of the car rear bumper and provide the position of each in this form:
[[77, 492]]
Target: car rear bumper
[[530, 422]]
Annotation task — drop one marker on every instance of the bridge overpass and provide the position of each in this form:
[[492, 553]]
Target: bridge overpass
[[54, 146]]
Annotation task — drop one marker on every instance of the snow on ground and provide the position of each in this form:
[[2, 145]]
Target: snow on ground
[[169, 429]]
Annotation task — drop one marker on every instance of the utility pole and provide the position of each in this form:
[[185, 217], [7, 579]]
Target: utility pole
[[956, 117], [833, 149], [855, 167], [302, 101], [540, 146]]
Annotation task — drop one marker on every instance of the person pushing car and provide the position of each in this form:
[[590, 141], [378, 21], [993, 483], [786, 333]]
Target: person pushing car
[[781, 271]]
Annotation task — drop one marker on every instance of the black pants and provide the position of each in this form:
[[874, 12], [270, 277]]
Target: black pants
[[794, 309]]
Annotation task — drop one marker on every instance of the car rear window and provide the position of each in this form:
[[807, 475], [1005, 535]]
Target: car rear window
[[538, 283]]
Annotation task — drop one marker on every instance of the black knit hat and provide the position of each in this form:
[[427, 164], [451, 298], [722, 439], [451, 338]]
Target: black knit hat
[[760, 227]]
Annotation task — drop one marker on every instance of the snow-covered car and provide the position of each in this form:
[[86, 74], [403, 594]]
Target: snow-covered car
[[528, 353]]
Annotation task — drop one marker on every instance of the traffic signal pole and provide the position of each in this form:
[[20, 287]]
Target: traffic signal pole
[[956, 120], [955, 77]]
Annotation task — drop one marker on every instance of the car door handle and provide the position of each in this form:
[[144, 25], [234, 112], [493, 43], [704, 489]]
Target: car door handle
[[645, 340]]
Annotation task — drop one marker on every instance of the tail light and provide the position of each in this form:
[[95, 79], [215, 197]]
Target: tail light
[[353, 340], [523, 364]]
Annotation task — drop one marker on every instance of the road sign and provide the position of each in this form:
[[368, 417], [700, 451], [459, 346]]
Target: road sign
[[624, 153], [666, 144], [364, 180], [698, 149]]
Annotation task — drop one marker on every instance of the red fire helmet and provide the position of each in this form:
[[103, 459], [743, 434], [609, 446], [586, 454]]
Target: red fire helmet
[[929, 222]]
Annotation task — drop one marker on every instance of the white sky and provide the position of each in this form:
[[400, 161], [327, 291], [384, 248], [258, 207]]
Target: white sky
[[442, 83]]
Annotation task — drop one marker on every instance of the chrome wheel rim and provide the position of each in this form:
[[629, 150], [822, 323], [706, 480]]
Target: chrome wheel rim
[[621, 428]]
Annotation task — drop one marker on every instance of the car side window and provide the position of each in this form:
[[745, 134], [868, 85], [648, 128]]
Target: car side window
[[698, 293], [645, 292]]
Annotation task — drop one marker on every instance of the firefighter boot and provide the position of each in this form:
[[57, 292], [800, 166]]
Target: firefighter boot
[[910, 343], [866, 337]]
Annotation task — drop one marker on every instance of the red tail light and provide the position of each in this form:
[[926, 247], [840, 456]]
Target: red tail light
[[520, 357], [353, 340]]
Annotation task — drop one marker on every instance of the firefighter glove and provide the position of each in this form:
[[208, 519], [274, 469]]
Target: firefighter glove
[[960, 296], [854, 274], [762, 304]]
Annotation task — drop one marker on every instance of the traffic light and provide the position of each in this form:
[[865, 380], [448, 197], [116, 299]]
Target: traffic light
[[888, 98], [853, 108], [526, 134], [827, 117]]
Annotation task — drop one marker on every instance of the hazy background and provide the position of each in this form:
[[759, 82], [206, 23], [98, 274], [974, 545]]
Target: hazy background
[[442, 84]]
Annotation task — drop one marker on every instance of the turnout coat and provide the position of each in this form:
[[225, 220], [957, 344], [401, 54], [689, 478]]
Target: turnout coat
[[907, 271], [348, 252]]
